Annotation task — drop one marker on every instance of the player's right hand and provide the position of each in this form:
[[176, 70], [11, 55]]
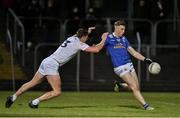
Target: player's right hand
[[104, 36]]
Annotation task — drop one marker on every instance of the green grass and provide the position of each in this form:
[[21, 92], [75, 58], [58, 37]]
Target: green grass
[[93, 104]]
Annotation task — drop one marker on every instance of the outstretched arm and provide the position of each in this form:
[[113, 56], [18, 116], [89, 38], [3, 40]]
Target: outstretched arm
[[139, 56], [96, 48]]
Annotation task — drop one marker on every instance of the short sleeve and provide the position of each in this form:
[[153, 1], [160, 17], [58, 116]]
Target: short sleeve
[[107, 41], [127, 42], [82, 45]]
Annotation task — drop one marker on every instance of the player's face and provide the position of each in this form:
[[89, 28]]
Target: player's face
[[84, 38], [119, 30]]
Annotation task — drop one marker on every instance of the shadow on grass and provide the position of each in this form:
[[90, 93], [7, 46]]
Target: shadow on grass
[[86, 106], [66, 107], [130, 106]]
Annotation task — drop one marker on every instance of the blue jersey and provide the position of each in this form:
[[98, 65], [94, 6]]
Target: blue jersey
[[117, 48]]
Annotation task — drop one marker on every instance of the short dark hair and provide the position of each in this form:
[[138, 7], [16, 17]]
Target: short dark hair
[[81, 32], [120, 22]]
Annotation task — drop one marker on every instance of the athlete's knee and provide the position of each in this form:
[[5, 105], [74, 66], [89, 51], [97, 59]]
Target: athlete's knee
[[28, 84], [133, 87], [57, 93]]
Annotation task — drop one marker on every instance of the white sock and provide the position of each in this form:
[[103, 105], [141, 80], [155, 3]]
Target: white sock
[[35, 102], [14, 97]]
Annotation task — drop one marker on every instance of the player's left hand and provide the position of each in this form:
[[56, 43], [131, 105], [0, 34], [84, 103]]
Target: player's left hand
[[148, 60]]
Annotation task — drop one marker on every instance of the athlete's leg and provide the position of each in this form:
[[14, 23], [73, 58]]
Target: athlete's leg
[[123, 85], [135, 79], [38, 78], [146, 105], [134, 86], [55, 82], [120, 85]]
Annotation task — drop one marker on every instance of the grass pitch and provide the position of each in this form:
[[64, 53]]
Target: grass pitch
[[93, 104]]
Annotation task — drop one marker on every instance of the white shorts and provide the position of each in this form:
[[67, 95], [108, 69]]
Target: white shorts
[[49, 66], [121, 70]]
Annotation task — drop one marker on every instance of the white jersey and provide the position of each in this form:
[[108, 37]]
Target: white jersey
[[68, 49]]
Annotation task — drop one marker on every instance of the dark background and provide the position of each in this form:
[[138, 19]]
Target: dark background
[[52, 21]]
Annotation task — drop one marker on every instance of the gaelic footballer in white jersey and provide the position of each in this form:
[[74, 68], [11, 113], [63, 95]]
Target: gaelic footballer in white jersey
[[48, 68], [68, 50]]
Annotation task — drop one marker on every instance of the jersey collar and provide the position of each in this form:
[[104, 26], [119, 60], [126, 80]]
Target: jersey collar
[[117, 36]]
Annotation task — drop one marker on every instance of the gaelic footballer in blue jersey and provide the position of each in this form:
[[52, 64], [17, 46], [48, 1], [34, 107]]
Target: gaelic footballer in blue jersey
[[119, 49]]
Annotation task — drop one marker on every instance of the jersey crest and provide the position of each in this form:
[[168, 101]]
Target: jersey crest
[[111, 36], [123, 39]]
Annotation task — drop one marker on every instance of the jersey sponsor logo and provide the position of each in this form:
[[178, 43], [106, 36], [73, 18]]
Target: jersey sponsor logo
[[119, 45]]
